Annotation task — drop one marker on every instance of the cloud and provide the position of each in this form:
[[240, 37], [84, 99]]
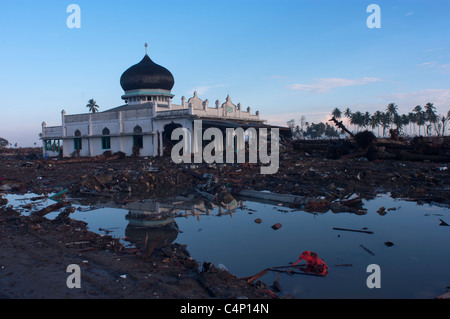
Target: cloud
[[202, 89], [205, 88], [432, 63], [275, 77], [433, 49], [443, 68], [409, 14], [325, 85], [440, 98], [282, 118]]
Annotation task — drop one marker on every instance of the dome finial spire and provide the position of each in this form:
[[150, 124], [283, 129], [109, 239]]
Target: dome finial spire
[[146, 46]]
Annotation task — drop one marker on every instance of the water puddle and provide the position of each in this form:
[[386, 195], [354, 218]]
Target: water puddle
[[407, 240]]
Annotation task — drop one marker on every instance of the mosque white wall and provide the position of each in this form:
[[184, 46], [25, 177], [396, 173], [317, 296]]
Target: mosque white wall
[[151, 120], [121, 126]]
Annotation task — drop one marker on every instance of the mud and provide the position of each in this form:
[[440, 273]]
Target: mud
[[36, 252]]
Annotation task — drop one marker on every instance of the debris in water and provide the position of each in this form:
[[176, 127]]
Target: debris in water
[[381, 211], [443, 223], [367, 249], [276, 226], [354, 230]]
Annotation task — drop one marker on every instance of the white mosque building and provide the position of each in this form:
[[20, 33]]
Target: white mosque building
[[143, 125]]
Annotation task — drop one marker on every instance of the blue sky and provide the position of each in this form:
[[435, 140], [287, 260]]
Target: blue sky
[[283, 58]]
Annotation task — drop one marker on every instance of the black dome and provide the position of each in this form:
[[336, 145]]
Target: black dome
[[147, 75]]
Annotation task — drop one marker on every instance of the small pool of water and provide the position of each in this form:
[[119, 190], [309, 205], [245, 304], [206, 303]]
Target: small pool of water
[[415, 266]]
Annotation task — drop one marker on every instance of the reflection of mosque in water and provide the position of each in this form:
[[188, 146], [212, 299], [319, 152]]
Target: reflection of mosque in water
[[154, 220]]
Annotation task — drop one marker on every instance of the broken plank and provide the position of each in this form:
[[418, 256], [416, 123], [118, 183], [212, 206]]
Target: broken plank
[[343, 265], [367, 249], [354, 230], [49, 209], [81, 242], [251, 279]]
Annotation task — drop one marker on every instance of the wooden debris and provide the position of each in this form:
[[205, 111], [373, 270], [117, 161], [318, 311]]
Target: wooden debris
[[49, 209], [276, 226], [251, 279], [343, 265], [354, 230], [443, 223], [341, 126], [367, 249]]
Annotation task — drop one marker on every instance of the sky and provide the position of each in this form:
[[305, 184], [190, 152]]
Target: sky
[[284, 58]]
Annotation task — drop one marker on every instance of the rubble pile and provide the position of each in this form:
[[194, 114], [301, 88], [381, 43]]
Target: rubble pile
[[318, 171]]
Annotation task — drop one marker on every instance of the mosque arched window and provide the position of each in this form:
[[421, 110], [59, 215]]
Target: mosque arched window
[[106, 139], [77, 142], [138, 140], [137, 130]]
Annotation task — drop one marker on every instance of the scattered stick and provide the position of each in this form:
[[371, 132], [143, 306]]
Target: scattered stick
[[290, 269], [251, 279], [354, 230], [82, 242], [343, 265], [367, 249]]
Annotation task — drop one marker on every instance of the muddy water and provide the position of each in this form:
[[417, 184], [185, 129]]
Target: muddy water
[[415, 266]]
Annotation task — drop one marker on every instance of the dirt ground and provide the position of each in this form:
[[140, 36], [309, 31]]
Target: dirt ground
[[36, 251], [34, 260]]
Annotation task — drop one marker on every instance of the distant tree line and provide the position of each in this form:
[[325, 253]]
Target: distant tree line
[[313, 130], [421, 121]]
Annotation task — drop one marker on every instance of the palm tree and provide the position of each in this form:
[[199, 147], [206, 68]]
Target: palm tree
[[392, 112], [444, 120], [366, 119], [336, 113], [398, 121], [385, 122], [377, 120], [421, 120], [373, 121], [419, 116], [430, 115], [405, 121], [92, 105], [357, 119], [412, 120], [348, 115]]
